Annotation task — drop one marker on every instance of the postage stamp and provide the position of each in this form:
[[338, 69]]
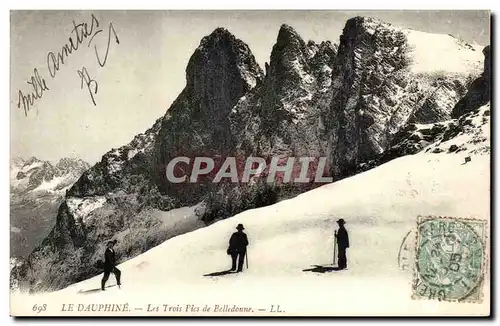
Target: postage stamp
[[450, 259]]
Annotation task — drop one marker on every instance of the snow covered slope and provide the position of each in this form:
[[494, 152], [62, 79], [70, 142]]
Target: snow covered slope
[[429, 53], [380, 207]]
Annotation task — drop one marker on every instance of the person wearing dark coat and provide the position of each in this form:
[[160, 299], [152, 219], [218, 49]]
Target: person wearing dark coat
[[343, 244], [110, 265], [238, 248]]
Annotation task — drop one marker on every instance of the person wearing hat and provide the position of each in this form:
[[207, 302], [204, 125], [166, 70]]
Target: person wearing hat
[[110, 265], [238, 248], [343, 244]]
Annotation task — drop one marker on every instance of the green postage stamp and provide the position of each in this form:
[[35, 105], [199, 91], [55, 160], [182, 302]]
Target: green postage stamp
[[450, 258]]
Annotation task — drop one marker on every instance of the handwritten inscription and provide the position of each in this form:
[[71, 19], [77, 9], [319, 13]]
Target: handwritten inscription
[[90, 83], [85, 78], [38, 86], [82, 32], [111, 29]]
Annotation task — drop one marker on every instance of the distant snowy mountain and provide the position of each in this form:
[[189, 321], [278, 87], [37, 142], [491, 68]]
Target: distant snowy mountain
[[36, 190], [381, 93], [34, 175]]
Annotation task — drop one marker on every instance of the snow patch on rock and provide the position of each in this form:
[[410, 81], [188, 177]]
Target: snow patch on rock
[[83, 207], [299, 68], [474, 136], [249, 77], [51, 185]]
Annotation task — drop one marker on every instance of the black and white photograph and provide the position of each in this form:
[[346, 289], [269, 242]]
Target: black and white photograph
[[250, 163]]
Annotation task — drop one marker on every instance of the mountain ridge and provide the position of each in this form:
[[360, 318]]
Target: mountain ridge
[[345, 102]]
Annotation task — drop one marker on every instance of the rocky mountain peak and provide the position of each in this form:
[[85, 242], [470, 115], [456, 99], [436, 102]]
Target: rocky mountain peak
[[288, 36], [361, 29], [283, 116], [223, 39], [32, 160], [67, 161], [289, 67], [219, 32], [222, 66], [289, 54], [71, 165]]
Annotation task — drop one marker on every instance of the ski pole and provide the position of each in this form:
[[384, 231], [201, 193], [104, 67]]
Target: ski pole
[[334, 246]]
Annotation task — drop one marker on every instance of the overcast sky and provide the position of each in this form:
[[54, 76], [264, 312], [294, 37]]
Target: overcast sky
[[145, 72]]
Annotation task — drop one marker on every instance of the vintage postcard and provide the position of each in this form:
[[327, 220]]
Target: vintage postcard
[[250, 163]]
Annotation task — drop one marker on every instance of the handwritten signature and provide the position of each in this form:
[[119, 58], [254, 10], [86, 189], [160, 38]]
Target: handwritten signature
[[81, 32]]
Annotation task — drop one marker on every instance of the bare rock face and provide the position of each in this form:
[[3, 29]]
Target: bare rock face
[[439, 137], [480, 91], [220, 72], [285, 114], [381, 80], [446, 91], [350, 103], [445, 134], [282, 117]]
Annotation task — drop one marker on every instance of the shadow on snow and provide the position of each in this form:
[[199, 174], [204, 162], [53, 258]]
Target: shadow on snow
[[93, 290], [322, 269], [222, 273]]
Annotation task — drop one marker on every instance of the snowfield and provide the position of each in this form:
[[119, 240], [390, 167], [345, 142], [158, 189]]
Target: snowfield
[[380, 207], [440, 52]]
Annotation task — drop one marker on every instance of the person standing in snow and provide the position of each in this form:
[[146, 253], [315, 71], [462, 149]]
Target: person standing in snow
[[238, 248], [342, 239], [110, 265]]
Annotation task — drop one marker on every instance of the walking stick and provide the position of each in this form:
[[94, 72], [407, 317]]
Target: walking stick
[[246, 257], [334, 246]]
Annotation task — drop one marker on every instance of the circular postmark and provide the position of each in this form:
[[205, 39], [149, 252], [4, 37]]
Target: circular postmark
[[406, 253], [449, 259]]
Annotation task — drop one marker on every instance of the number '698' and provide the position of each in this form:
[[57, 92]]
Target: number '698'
[[39, 308]]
